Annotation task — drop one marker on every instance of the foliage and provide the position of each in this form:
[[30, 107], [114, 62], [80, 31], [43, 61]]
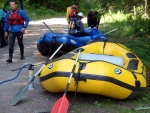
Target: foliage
[[107, 105], [141, 26], [102, 6], [35, 11], [57, 5], [123, 6], [2, 4], [133, 32]]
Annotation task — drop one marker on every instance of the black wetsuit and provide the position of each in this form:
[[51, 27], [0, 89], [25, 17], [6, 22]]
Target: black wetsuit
[[93, 19]]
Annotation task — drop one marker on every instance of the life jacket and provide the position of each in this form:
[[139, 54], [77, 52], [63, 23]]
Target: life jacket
[[14, 18], [73, 24], [73, 12]]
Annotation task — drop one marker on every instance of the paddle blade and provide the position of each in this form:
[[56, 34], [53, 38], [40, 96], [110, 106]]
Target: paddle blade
[[18, 96], [61, 105]]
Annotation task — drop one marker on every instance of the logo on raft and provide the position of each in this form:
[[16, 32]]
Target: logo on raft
[[50, 66], [117, 71], [72, 41]]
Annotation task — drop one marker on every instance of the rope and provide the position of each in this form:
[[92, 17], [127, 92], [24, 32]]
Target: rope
[[75, 95], [76, 84], [16, 75]]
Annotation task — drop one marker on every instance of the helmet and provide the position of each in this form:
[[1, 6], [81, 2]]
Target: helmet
[[80, 14]]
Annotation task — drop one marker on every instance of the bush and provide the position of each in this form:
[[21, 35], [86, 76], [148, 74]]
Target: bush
[[140, 26], [133, 32]]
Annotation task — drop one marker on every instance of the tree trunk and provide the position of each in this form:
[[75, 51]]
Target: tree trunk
[[146, 9], [134, 11]]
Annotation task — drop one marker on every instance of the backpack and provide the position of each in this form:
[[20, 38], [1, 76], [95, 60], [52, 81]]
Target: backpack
[[73, 25], [1, 14], [3, 40]]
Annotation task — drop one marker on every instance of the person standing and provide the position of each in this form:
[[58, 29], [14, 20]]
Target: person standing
[[72, 12], [93, 19], [16, 21]]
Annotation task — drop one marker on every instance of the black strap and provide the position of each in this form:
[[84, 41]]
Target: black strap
[[137, 82], [104, 47], [77, 78], [73, 21], [75, 95]]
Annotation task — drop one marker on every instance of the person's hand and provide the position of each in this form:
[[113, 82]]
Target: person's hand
[[23, 30], [89, 27], [95, 27], [6, 34]]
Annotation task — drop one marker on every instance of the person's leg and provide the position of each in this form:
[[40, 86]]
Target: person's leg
[[80, 34], [20, 43], [85, 34], [12, 37], [1, 36]]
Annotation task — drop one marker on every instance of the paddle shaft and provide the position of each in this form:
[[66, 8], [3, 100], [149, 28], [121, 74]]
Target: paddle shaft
[[18, 96], [72, 72], [46, 63], [104, 34], [142, 108], [47, 27], [111, 31], [61, 105]]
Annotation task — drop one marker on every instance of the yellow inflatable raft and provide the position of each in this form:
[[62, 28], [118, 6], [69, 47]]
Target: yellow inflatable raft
[[103, 68]]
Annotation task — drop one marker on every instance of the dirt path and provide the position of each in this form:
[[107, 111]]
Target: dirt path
[[38, 100], [34, 101]]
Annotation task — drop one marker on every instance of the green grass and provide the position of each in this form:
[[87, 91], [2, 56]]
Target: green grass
[[108, 105], [132, 33]]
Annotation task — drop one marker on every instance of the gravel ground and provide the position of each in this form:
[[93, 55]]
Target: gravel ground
[[37, 100]]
